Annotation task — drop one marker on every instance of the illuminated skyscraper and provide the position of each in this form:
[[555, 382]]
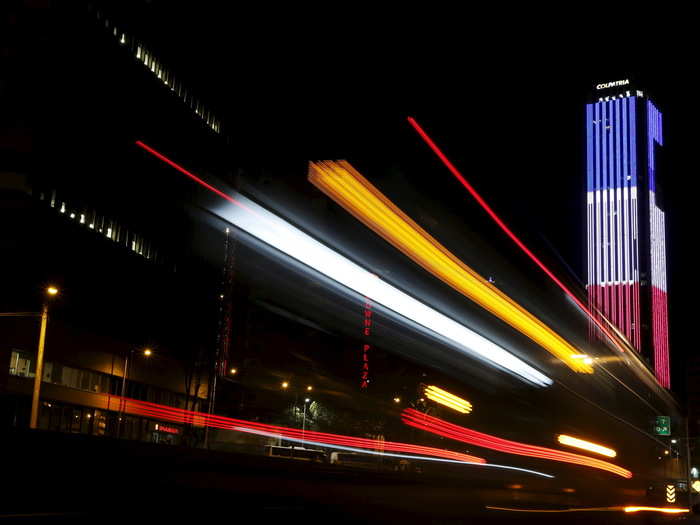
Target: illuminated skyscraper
[[626, 225]]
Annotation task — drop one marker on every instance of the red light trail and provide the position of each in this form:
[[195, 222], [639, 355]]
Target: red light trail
[[458, 175], [179, 415], [437, 426]]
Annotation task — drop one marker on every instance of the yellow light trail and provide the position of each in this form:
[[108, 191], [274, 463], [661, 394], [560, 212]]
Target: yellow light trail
[[666, 510], [449, 400], [342, 183], [586, 445]]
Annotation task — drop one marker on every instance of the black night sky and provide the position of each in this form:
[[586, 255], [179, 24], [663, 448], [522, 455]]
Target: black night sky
[[508, 112]]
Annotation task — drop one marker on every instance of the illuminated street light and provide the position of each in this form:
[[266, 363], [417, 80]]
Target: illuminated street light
[[234, 371], [130, 354], [309, 388], [39, 373], [285, 384], [397, 400]]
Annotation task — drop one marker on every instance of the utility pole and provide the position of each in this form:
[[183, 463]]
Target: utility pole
[[303, 423]]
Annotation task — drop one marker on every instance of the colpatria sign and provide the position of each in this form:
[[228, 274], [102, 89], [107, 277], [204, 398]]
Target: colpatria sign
[[613, 84]]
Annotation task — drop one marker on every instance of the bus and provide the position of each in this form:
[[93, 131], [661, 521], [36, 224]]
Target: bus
[[301, 453]]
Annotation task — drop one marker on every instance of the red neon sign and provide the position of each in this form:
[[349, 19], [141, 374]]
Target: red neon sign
[[171, 430], [366, 332]]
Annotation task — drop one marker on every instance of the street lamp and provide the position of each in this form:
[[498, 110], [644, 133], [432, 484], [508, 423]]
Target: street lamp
[[285, 384], [146, 352], [51, 291]]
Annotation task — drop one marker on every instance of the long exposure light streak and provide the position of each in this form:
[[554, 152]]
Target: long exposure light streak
[[440, 427], [338, 441], [347, 187], [447, 399], [179, 415], [664, 510], [586, 445], [458, 175], [272, 230]]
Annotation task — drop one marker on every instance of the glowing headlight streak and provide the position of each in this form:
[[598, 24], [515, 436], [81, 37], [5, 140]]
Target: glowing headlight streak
[[555, 511], [449, 400], [586, 445], [274, 231], [479, 199], [437, 426], [665, 510], [347, 187]]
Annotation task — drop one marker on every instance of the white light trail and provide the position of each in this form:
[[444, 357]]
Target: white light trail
[[278, 233]]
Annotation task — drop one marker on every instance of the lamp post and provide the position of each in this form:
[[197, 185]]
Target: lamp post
[[34, 418], [146, 352], [303, 422]]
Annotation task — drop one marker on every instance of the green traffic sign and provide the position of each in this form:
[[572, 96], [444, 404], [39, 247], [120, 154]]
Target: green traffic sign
[[662, 426]]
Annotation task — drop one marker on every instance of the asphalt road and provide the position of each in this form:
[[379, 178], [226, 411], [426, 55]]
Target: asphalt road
[[80, 479]]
